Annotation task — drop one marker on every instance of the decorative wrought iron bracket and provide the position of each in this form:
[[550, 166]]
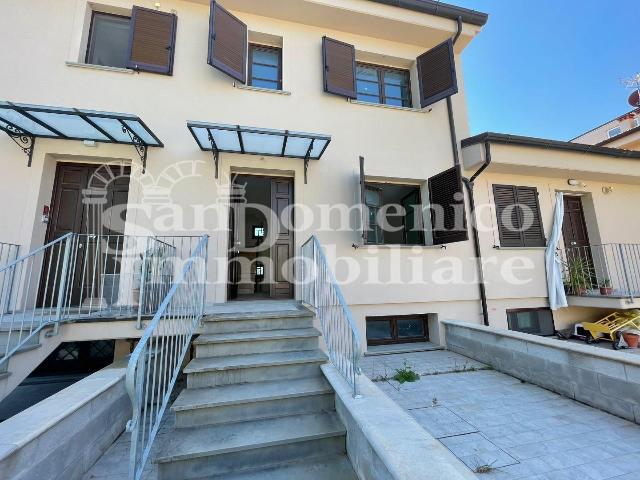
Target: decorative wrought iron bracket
[[215, 151], [24, 140], [139, 145], [306, 159]]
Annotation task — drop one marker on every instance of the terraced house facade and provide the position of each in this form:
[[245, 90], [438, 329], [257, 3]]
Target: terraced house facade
[[262, 144]]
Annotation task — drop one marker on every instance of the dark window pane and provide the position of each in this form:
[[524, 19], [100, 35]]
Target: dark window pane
[[394, 77], [372, 197], [378, 329], [408, 328], [394, 101], [265, 67], [108, 42], [266, 57], [368, 88], [264, 73], [395, 91], [367, 73], [368, 98]]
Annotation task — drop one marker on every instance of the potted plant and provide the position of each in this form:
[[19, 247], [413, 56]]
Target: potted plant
[[605, 287], [631, 339], [578, 276]]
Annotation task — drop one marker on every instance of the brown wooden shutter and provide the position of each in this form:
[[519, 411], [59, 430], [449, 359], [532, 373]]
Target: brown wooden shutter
[[533, 236], [516, 207], [152, 39], [437, 74], [339, 67], [364, 212], [448, 217], [227, 43]]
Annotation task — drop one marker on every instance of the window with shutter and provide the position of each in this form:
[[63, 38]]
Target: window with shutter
[[227, 43], [437, 74], [152, 39], [339, 71], [448, 218], [518, 215]]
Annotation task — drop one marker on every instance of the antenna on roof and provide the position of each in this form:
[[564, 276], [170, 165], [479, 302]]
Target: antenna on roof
[[634, 84]]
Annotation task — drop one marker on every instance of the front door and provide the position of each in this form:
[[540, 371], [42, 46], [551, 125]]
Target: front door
[[574, 226], [580, 266], [85, 200], [247, 269]]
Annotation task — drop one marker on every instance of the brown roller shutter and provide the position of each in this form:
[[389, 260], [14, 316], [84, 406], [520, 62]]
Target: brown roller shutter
[[339, 67], [448, 217], [516, 208], [227, 43], [152, 38], [437, 74]]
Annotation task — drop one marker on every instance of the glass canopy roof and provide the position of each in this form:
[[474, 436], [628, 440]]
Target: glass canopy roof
[[73, 124], [258, 141]]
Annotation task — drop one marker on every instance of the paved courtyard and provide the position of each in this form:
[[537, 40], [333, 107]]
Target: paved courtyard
[[511, 429]]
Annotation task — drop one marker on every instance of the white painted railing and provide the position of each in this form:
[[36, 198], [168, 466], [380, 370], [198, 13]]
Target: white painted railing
[[8, 253], [321, 291], [157, 359]]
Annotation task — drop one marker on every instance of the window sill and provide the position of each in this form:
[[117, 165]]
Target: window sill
[[392, 107], [99, 67], [398, 245], [498, 247], [258, 89]]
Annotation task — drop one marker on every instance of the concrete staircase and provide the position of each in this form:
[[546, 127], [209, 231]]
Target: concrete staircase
[[256, 404]]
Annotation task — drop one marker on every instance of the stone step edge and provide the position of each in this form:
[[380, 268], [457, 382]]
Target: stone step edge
[[322, 358], [254, 336]]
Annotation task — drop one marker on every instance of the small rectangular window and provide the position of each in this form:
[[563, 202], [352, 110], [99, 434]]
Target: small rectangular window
[[394, 214], [614, 132], [385, 85], [397, 329], [265, 67], [537, 321], [108, 40]]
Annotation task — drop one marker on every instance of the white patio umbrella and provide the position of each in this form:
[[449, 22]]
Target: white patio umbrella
[[557, 296]]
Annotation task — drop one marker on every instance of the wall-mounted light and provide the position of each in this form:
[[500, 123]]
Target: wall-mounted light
[[608, 189], [576, 183], [157, 5], [89, 143]]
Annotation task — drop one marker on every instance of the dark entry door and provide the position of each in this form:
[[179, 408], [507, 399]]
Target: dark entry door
[[576, 241], [85, 200], [574, 226], [282, 249], [234, 268]]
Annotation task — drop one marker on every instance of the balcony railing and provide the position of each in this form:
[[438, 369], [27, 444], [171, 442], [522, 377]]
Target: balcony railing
[[607, 270], [321, 291], [79, 277]]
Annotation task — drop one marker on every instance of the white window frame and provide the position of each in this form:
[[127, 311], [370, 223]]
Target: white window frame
[[609, 135]]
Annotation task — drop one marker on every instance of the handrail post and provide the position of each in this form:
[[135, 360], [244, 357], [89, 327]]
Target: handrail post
[[625, 269], [143, 281], [62, 290]]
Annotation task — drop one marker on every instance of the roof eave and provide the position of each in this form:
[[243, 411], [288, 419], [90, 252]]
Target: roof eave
[[440, 9]]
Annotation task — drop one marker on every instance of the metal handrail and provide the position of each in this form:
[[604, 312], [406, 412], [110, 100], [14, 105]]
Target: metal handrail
[[608, 269], [8, 252], [321, 291], [157, 359]]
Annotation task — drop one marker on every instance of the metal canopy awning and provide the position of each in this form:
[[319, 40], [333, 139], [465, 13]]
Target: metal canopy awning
[[219, 138], [24, 123]]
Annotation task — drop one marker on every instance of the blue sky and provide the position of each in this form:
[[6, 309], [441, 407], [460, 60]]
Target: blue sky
[[550, 68]]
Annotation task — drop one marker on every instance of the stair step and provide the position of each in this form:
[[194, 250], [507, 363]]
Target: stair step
[[252, 401], [231, 323], [187, 453], [263, 341], [335, 467], [232, 369]]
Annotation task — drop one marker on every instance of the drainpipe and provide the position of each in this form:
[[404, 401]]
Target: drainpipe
[[469, 184]]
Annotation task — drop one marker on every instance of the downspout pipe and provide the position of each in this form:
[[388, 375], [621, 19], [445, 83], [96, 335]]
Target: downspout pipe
[[469, 183], [452, 125]]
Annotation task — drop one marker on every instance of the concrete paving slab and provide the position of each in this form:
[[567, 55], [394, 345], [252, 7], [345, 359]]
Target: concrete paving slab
[[521, 430]]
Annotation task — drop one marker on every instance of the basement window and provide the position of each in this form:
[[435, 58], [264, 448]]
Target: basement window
[[384, 330], [394, 214], [536, 321]]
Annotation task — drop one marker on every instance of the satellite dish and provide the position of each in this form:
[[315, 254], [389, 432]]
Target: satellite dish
[[634, 98]]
